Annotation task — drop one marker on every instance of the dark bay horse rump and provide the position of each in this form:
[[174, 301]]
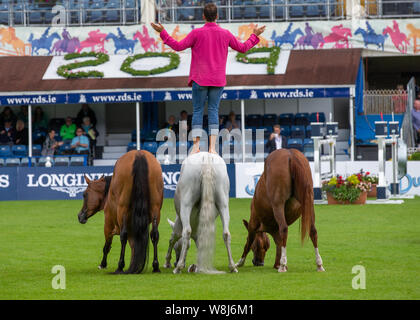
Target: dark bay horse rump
[[283, 193]]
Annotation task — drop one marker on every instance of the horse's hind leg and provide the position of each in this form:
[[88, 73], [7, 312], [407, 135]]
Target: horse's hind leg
[[186, 235], [176, 234], [123, 239], [314, 237], [282, 236], [224, 214], [154, 236]]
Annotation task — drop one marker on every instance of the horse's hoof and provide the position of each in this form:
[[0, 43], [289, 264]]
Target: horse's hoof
[[167, 265], [156, 271], [320, 268], [282, 269], [234, 270], [176, 271], [118, 271], [100, 267], [192, 268]]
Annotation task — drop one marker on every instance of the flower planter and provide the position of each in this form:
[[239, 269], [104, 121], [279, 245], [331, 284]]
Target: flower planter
[[372, 192], [361, 200]]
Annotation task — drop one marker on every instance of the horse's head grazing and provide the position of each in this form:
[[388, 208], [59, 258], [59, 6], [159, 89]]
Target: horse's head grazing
[[259, 247], [93, 198]]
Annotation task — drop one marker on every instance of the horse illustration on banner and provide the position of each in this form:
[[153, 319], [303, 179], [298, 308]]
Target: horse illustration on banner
[[67, 44], [148, 43], [44, 42], [310, 39], [286, 37], [371, 37], [246, 30], [399, 39], [414, 34], [8, 37], [339, 36], [121, 42], [95, 41]]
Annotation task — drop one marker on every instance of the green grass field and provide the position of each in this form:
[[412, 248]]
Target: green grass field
[[385, 239]]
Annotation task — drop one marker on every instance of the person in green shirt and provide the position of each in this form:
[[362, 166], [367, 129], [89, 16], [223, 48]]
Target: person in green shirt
[[68, 130]]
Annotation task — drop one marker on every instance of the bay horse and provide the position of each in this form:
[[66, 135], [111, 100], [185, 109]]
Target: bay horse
[[283, 193], [131, 200], [201, 194]]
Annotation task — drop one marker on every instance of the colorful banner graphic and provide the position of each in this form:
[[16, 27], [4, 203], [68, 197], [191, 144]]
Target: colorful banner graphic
[[399, 35]]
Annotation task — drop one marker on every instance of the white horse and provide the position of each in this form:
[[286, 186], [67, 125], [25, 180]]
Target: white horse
[[201, 194]]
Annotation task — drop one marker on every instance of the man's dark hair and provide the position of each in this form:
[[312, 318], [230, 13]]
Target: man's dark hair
[[210, 12]]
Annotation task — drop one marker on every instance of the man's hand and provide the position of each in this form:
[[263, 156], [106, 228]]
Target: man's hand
[[158, 27], [258, 31]]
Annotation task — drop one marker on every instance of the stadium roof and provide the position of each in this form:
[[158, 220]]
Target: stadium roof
[[306, 68]]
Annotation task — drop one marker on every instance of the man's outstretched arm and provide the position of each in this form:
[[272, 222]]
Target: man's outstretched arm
[[185, 43]]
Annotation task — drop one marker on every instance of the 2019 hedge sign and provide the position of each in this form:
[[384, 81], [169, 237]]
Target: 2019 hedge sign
[[101, 58]]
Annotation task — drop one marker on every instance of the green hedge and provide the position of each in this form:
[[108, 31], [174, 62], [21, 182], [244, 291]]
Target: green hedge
[[65, 70], [270, 61], [173, 64]]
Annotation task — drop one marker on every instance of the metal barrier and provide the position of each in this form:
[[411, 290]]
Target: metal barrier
[[317, 131], [384, 101]]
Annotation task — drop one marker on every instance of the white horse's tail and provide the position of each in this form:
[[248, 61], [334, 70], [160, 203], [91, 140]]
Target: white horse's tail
[[207, 216]]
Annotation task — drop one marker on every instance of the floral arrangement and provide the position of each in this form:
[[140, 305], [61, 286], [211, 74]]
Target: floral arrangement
[[271, 60], [367, 177], [348, 189], [173, 64], [66, 70]]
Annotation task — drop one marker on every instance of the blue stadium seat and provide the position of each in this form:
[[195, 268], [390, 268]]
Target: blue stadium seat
[[308, 131], [24, 162], [308, 141], [285, 131], [61, 161], [313, 10], [279, 9], [38, 137], [250, 11], [5, 151], [112, 11], [43, 160], [36, 150], [298, 132], [4, 12], [254, 120], [302, 118], [34, 14], [18, 12], [264, 9], [237, 9], [1, 162], [296, 10], [416, 7], [185, 12], [77, 161], [96, 14], [130, 11], [20, 150], [286, 119], [150, 146], [270, 119], [64, 148], [12, 162], [295, 144]]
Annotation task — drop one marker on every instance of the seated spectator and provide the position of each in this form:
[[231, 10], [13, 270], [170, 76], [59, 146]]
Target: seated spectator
[[80, 143], [415, 113], [86, 111], [40, 120], [21, 133], [7, 133], [276, 140], [50, 144], [23, 115], [221, 122], [7, 115], [171, 124], [68, 130], [232, 123], [90, 132], [184, 117]]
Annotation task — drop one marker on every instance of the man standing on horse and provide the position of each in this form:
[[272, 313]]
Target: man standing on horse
[[209, 46]]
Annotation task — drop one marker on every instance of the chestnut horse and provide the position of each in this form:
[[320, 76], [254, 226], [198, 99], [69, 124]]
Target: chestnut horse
[[283, 193], [131, 200]]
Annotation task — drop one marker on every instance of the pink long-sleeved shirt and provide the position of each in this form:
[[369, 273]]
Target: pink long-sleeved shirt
[[209, 46]]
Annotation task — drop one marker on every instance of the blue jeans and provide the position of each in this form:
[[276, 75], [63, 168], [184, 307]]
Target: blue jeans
[[199, 96]]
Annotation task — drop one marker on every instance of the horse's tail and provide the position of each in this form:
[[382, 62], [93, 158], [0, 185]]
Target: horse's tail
[[206, 229], [140, 215], [303, 190]]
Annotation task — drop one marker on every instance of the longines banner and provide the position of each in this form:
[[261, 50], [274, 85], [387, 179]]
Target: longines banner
[[68, 183], [399, 35]]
